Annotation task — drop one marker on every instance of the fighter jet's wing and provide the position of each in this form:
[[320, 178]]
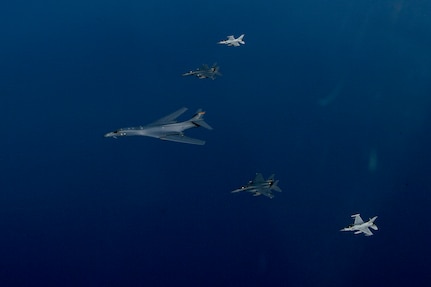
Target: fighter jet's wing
[[170, 118], [204, 67], [231, 37], [266, 192], [182, 139], [236, 44], [358, 219], [258, 179], [367, 231]]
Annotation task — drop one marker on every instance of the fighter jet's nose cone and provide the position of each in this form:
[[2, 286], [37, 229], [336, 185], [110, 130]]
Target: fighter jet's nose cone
[[108, 135]]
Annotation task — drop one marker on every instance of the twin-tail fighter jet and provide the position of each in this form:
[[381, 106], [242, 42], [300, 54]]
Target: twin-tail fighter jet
[[260, 186], [167, 128], [359, 226], [232, 41], [205, 72]]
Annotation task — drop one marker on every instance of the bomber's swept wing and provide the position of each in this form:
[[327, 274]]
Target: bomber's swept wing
[[169, 118], [358, 219], [182, 139]]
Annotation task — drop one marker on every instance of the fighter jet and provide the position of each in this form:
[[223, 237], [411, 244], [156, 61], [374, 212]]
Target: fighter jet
[[260, 186], [167, 128], [359, 226], [232, 41], [205, 72]]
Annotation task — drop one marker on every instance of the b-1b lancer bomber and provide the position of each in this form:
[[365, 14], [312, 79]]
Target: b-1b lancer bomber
[[260, 186], [232, 41], [205, 72], [359, 226], [167, 128]]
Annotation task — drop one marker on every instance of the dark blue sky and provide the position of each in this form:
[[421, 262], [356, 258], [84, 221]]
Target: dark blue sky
[[333, 97]]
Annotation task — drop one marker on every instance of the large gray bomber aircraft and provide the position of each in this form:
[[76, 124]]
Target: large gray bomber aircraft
[[167, 128], [260, 186]]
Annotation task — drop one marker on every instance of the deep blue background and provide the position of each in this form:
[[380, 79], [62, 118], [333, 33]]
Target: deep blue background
[[332, 96]]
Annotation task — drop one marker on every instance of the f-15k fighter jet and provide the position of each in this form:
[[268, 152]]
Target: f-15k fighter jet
[[167, 128], [260, 186], [359, 226], [232, 41], [205, 72]]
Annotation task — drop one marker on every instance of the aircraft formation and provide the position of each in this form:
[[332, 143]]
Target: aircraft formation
[[169, 129]]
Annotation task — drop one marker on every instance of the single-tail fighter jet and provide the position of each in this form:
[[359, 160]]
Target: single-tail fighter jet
[[205, 72], [232, 41], [359, 226], [167, 128], [260, 186]]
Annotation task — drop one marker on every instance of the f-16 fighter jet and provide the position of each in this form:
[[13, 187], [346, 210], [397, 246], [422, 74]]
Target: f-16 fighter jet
[[232, 41], [205, 72], [359, 226], [167, 128], [260, 186]]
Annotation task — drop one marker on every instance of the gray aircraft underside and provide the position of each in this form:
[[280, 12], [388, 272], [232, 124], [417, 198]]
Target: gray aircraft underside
[[167, 128], [260, 186]]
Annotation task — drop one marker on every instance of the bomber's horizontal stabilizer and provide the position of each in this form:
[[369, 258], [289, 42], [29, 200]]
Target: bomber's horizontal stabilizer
[[202, 123]]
